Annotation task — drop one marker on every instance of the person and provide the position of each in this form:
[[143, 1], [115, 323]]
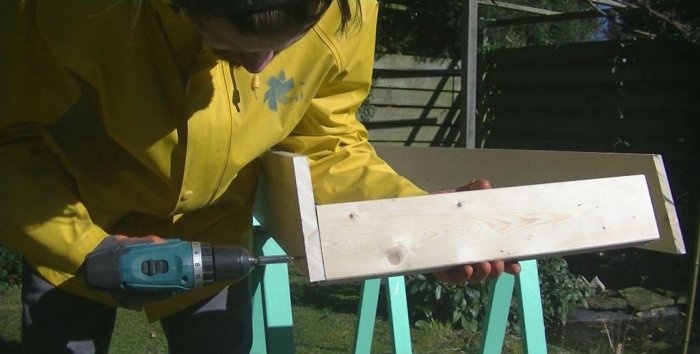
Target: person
[[135, 121]]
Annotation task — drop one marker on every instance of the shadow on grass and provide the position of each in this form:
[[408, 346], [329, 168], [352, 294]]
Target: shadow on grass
[[344, 298], [10, 346], [338, 297]]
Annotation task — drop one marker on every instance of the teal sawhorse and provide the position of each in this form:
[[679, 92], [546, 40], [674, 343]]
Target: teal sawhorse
[[527, 290], [272, 303], [526, 286], [272, 309], [398, 315]]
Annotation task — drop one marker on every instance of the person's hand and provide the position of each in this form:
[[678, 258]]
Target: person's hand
[[132, 299], [478, 271]]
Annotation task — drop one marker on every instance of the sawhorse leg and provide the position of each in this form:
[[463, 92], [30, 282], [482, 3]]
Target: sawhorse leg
[[272, 304], [398, 315], [527, 288]]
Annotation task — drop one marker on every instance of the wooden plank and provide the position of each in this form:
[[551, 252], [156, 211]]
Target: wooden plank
[[654, 51], [418, 98], [516, 7], [439, 168], [528, 20], [673, 151], [424, 133], [570, 74], [603, 120], [394, 143], [383, 113], [587, 145], [639, 140], [413, 73], [592, 54], [672, 70], [586, 99], [553, 121], [469, 47], [550, 75], [612, 3], [596, 53], [395, 61], [285, 207], [560, 139], [609, 88], [538, 123], [400, 123], [447, 84], [527, 100], [403, 235]]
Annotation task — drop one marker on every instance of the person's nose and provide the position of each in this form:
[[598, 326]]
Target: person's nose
[[255, 62]]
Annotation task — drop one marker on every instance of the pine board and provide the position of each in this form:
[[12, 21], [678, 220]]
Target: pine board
[[405, 235]]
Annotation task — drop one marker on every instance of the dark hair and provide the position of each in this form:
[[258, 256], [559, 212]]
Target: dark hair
[[267, 18]]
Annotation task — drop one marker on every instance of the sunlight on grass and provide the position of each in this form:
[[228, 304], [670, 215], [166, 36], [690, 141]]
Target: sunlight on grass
[[324, 323], [133, 334], [11, 314]]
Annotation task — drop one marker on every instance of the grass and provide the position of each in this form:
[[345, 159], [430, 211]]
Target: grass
[[324, 323], [132, 333], [317, 330], [11, 313]]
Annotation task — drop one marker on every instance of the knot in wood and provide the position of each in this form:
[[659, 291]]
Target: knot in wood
[[397, 254]]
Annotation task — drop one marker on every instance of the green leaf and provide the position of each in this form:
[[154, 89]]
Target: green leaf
[[469, 325], [456, 316]]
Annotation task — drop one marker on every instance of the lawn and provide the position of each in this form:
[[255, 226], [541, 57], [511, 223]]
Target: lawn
[[317, 330], [324, 323]]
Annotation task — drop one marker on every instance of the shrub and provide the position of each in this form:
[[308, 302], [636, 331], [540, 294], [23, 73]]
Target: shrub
[[432, 300], [10, 268], [561, 290], [464, 306]]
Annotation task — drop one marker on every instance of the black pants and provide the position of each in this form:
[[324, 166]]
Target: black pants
[[55, 321]]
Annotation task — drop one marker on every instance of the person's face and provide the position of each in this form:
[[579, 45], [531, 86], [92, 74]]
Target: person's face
[[251, 52]]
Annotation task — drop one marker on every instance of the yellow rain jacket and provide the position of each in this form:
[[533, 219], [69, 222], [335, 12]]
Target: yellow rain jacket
[[114, 118]]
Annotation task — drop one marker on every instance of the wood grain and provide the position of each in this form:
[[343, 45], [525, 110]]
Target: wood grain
[[440, 168], [285, 207], [397, 236]]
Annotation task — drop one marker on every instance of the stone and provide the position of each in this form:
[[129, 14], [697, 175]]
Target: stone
[[604, 303], [641, 299]]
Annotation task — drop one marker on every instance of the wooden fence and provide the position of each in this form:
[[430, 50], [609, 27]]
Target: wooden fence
[[597, 96], [601, 96], [641, 96], [415, 101]]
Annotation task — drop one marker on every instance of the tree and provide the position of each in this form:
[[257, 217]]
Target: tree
[[432, 28], [541, 33], [669, 19], [419, 27]]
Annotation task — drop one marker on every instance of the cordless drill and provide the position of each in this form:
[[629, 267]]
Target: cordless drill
[[173, 266]]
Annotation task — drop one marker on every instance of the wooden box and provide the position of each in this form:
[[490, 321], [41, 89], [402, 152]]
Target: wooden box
[[543, 203]]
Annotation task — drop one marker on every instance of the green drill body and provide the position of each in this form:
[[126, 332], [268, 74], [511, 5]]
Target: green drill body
[[173, 266]]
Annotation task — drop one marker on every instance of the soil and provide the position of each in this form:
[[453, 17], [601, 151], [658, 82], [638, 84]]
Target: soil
[[629, 330], [635, 267]]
